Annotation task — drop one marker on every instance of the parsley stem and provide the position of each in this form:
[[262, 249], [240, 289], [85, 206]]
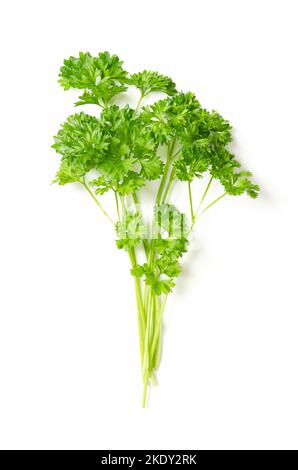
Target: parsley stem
[[117, 205], [135, 200], [139, 302], [156, 335], [168, 187], [177, 153], [123, 205], [144, 399], [204, 210], [190, 202], [204, 195], [213, 202], [97, 202], [200, 205], [165, 173], [139, 102], [146, 361], [162, 183], [146, 294], [138, 208]]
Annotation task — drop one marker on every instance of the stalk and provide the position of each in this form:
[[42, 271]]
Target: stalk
[[139, 102], [140, 305], [137, 207], [190, 203], [97, 202], [150, 303], [146, 361], [213, 202], [155, 349], [197, 213], [162, 183], [165, 173], [168, 187], [145, 388], [117, 205]]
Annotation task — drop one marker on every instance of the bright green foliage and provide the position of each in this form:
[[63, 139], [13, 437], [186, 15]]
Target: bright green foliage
[[169, 118], [225, 167], [101, 77], [194, 160], [153, 279], [170, 248], [130, 230], [148, 82], [82, 144], [169, 245], [132, 147], [124, 150], [117, 145]]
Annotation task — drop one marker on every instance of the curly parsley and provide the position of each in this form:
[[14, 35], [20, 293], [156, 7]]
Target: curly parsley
[[125, 149]]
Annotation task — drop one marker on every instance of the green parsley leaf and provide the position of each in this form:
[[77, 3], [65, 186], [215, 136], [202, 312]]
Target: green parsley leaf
[[130, 230], [102, 77], [148, 82], [82, 144]]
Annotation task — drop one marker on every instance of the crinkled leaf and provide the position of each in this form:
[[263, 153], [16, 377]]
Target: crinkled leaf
[[148, 82], [194, 161], [102, 77], [131, 183], [70, 172], [82, 143]]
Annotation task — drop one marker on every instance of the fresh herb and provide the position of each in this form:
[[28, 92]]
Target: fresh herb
[[174, 139]]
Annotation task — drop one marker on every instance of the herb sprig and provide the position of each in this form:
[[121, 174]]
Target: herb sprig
[[124, 147]]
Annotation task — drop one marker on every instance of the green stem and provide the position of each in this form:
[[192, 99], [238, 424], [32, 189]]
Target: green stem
[[177, 153], [145, 388], [162, 182], [137, 208], [139, 302], [150, 301], [139, 102], [146, 297], [168, 187], [196, 216], [165, 173], [97, 202], [135, 199], [117, 205], [156, 335], [212, 203], [147, 335], [123, 205], [206, 208], [204, 195], [190, 202], [133, 259]]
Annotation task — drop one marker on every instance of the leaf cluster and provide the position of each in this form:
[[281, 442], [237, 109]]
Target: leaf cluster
[[117, 145], [169, 244], [130, 230], [203, 138], [123, 147], [101, 77], [148, 82]]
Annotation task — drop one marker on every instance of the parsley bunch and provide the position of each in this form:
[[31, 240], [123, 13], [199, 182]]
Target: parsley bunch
[[124, 149]]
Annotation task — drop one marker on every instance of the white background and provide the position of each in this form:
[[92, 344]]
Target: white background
[[70, 374]]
